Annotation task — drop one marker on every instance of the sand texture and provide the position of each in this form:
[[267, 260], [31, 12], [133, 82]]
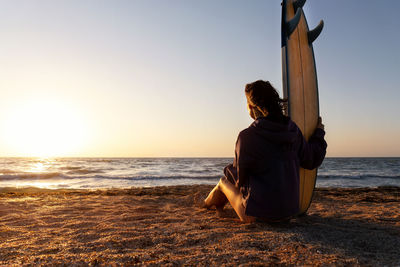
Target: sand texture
[[164, 226]]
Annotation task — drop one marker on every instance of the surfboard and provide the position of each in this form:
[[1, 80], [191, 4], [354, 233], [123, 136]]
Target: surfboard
[[300, 84]]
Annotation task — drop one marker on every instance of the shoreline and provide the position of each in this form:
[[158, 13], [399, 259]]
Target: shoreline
[[164, 226]]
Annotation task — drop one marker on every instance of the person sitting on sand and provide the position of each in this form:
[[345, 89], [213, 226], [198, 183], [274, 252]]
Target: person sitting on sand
[[263, 181]]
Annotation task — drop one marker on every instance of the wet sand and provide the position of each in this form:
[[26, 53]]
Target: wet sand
[[165, 226]]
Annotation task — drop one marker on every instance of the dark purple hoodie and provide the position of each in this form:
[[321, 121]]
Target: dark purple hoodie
[[266, 166]]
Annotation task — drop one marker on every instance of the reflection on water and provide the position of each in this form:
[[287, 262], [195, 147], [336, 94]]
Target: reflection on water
[[38, 167]]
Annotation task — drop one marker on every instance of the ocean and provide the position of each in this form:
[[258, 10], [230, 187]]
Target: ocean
[[102, 173]]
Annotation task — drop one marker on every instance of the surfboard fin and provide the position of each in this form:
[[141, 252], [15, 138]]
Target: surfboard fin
[[313, 34], [292, 24], [298, 4]]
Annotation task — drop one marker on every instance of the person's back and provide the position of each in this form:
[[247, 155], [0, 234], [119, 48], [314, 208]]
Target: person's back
[[269, 154], [265, 172]]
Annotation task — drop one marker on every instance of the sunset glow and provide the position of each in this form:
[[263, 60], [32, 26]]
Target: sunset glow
[[44, 128]]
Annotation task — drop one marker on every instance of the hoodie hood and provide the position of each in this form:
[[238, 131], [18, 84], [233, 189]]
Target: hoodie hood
[[276, 132]]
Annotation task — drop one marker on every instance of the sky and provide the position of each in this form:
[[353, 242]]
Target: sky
[[147, 78]]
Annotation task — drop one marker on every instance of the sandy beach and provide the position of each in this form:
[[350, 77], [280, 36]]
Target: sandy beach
[[164, 226]]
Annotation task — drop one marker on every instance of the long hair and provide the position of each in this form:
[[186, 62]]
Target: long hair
[[264, 96]]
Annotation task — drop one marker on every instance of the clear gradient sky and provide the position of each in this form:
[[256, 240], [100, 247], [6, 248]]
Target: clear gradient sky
[[166, 78]]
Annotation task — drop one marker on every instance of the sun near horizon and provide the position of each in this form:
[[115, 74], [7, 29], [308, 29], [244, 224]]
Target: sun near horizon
[[49, 127], [44, 128]]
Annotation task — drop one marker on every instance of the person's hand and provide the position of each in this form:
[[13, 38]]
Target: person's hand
[[319, 124]]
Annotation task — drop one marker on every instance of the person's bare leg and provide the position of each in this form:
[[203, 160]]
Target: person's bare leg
[[215, 198], [235, 198]]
